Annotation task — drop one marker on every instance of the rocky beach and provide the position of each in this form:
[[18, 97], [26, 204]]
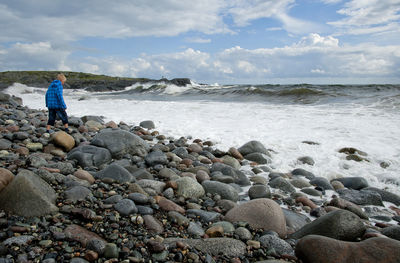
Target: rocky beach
[[113, 192]]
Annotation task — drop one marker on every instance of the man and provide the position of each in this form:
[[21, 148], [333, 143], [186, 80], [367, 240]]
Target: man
[[55, 103]]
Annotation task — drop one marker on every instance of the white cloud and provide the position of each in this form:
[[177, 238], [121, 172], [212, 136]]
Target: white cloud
[[369, 16], [198, 40]]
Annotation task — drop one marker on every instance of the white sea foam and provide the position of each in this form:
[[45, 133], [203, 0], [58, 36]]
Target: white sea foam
[[279, 127]]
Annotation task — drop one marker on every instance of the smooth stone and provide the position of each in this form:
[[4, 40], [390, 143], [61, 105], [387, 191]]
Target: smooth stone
[[111, 251], [18, 240], [113, 199], [280, 246], [157, 186], [168, 205], [252, 147], [259, 213], [156, 157], [215, 246], [36, 161], [93, 126], [147, 124], [140, 174], [34, 146], [337, 185], [356, 183], [311, 191], [259, 191], [205, 216], [257, 179], [84, 175], [238, 176], [392, 232], [195, 229], [347, 205], [120, 142], [226, 191], [300, 183], [28, 195], [362, 197], [116, 173], [77, 193], [5, 144], [126, 207], [320, 249], [228, 227], [229, 160], [6, 177], [306, 160], [321, 182], [226, 204], [90, 156], [282, 184], [259, 158], [340, 224], [139, 198], [243, 233], [189, 188], [386, 196], [295, 221], [144, 210], [215, 231], [63, 140], [302, 172], [152, 224], [178, 218], [84, 236]]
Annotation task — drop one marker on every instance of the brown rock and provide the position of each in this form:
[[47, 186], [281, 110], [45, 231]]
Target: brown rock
[[12, 128], [5, 178], [187, 174], [91, 255], [215, 231], [111, 124], [168, 205], [152, 224], [80, 234], [64, 140], [22, 151], [84, 175], [195, 148], [155, 246], [305, 201], [262, 213], [202, 176], [235, 153], [320, 249], [186, 162]]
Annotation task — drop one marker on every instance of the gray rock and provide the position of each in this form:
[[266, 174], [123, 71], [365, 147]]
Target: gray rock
[[204, 215], [311, 191], [111, 251], [356, 183], [74, 121], [36, 161], [294, 220], [116, 173], [227, 226], [259, 158], [147, 125], [5, 144], [126, 207], [156, 186], [283, 184], [77, 193], [144, 210], [120, 142], [386, 196], [340, 224], [306, 160], [78, 260], [280, 246], [178, 218], [181, 152], [252, 147], [19, 240], [189, 188], [259, 191], [64, 167], [28, 195], [20, 136], [215, 246], [156, 157], [113, 199], [195, 229], [300, 183], [392, 232], [243, 233], [139, 198], [141, 174], [90, 155], [226, 191], [302, 172], [229, 160], [322, 182], [239, 177], [363, 197]]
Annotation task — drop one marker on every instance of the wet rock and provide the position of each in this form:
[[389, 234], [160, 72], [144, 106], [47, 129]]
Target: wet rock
[[283, 184], [356, 183], [111, 251], [90, 156], [300, 183], [228, 160], [238, 177], [126, 207], [344, 204], [28, 195], [302, 172], [392, 232], [306, 160], [120, 142], [116, 173], [259, 158], [363, 197], [259, 191], [386, 196], [323, 249], [224, 190], [252, 147], [295, 221], [147, 124], [340, 224], [260, 213], [321, 182]]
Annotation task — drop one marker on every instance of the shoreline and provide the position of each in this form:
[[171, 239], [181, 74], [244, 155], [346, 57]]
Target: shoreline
[[127, 200]]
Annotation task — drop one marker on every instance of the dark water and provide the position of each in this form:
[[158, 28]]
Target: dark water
[[386, 95]]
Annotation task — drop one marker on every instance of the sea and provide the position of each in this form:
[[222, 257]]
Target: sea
[[291, 120]]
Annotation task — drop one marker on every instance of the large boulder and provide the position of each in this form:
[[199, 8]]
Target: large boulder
[[189, 188], [5, 178], [116, 173], [340, 224], [120, 142], [63, 140], [252, 147], [226, 191], [320, 249], [260, 213], [28, 195], [90, 156]]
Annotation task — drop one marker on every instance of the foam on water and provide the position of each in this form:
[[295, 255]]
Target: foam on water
[[281, 128]]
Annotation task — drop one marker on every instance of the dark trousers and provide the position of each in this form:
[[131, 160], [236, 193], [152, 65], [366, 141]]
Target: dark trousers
[[61, 113]]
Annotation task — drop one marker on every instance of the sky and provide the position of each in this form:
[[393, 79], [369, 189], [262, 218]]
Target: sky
[[208, 41]]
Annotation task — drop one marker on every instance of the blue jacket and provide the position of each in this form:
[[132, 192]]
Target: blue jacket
[[54, 96]]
